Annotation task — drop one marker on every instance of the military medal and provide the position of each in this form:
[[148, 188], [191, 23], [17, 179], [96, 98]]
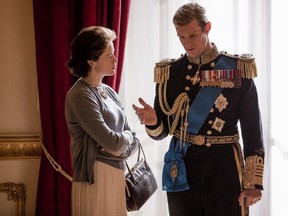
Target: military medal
[[218, 124], [196, 78], [221, 103], [221, 78]]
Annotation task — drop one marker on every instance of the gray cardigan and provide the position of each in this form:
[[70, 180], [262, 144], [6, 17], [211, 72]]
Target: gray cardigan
[[93, 121]]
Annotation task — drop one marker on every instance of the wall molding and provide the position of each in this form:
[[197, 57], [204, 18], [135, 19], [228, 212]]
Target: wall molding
[[20, 146], [16, 193]]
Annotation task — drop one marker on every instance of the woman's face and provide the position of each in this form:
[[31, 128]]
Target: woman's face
[[106, 64]]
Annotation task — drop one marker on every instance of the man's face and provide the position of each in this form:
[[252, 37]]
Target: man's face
[[194, 40]]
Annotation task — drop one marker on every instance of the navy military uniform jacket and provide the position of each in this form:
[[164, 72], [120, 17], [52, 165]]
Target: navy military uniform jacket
[[181, 80]]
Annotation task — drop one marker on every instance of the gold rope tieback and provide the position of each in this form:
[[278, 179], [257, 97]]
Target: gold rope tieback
[[54, 164]]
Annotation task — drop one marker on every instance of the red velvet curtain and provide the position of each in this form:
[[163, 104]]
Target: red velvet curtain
[[56, 24]]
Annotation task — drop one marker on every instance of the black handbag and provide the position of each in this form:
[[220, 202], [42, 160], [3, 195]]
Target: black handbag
[[140, 183]]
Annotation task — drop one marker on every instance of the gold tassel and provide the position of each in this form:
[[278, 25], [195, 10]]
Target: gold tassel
[[248, 68], [161, 74], [162, 70]]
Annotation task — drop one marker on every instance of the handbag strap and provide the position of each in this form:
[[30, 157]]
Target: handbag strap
[[140, 149]]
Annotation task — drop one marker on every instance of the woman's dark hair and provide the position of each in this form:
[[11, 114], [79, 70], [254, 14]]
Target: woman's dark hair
[[89, 44]]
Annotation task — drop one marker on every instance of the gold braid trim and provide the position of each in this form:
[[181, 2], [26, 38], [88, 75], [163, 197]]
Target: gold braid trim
[[253, 172], [155, 132]]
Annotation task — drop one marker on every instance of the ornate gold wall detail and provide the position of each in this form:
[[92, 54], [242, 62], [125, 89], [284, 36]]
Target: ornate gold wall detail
[[20, 147], [16, 193]]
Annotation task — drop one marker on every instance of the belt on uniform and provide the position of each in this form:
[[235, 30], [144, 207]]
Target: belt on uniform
[[208, 140]]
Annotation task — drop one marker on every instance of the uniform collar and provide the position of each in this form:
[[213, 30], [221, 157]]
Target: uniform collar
[[206, 57]]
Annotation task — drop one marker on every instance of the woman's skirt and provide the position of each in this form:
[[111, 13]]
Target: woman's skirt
[[106, 197]]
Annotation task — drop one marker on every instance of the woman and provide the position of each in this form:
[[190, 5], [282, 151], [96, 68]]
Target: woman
[[101, 138]]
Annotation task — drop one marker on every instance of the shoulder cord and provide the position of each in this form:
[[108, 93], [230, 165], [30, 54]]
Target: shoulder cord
[[179, 108], [54, 164]]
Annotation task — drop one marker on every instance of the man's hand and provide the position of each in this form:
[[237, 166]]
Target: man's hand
[[147, 114], [249, 197]]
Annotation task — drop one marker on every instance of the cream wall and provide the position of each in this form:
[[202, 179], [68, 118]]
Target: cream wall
[[18, 83], [19, 112]]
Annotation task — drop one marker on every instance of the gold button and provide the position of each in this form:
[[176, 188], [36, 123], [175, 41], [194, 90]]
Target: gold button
[[188, 77], [199, 140], [211, 110], [187, 88], [209, 132], [189, 67], [208, 144], [210, 122], [212, 64]]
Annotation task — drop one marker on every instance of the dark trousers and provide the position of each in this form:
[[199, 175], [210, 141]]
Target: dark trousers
[[214, 184]]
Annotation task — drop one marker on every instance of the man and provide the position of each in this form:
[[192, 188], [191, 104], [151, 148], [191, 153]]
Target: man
[[200, 98]]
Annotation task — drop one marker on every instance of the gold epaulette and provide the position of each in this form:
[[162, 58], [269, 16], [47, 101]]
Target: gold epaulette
[[162, 69], [245, 63]]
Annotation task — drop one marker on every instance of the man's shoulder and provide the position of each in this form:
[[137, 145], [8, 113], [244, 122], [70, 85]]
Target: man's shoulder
[[168, 61], [245, 63], [162, 69]]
